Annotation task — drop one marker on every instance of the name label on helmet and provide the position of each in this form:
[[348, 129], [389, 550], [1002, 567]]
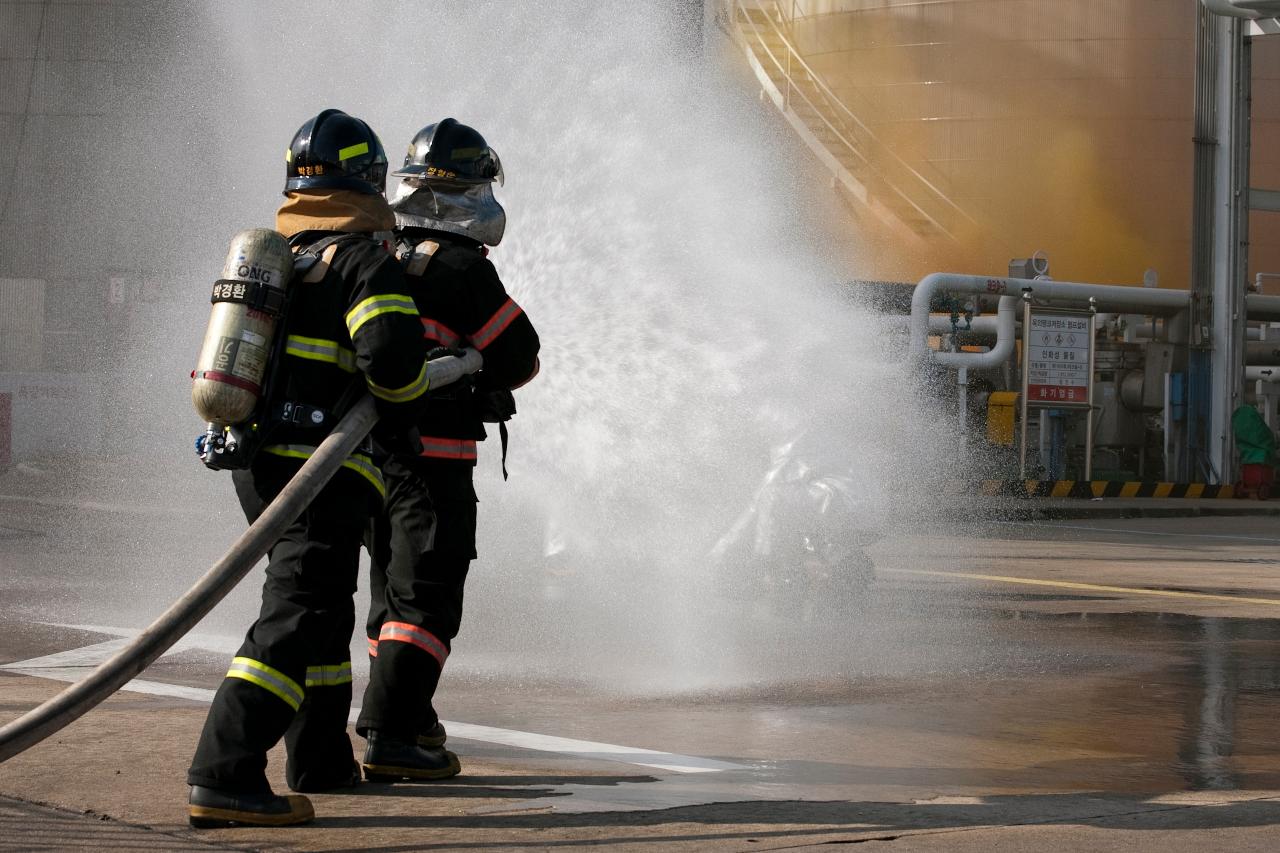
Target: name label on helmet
[[433, 172], [310, 171]]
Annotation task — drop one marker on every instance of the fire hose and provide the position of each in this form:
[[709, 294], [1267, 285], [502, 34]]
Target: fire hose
[[183, 615]]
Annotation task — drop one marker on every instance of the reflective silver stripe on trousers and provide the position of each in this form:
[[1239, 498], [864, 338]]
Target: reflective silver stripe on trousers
[[329, 676], [271, 680]]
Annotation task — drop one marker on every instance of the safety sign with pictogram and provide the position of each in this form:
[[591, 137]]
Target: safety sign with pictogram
[[1058, 368]]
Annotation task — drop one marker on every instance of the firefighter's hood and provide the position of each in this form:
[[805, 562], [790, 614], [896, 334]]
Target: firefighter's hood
[[333, 210], [469, 210]]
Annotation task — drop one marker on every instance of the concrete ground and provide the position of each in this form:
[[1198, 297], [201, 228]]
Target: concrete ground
[[1082, 684]]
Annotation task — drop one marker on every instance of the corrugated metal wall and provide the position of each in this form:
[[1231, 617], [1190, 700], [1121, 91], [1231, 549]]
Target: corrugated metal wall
[[1064, 126]]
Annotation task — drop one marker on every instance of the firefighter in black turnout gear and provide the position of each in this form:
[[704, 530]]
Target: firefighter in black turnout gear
[[446, 214], [351, 325]]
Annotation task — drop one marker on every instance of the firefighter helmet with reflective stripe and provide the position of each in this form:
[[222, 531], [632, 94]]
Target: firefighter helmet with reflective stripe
[[450, 152], [336, 151]]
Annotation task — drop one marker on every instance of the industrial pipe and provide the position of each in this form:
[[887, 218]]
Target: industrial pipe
[[984, 326], [1258, 306], [1116, 298], [998, 354], [73, 702], [940, 324], [1262, 352]]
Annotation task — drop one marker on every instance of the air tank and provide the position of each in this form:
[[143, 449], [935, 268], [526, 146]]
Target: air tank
[[247, 303]]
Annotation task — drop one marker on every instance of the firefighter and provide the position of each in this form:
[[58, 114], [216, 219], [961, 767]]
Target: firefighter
[[446, 216], [351, 326]]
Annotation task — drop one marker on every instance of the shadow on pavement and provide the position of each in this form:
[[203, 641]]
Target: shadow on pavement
[[839, 821]]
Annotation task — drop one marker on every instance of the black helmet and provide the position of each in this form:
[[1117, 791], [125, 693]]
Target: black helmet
[[451, 152], [338, 151]]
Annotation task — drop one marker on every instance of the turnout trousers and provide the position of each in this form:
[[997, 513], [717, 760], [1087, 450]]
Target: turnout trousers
[[291, 677], [421, 549]]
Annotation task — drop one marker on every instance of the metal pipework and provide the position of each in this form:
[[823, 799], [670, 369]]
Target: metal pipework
[[1115, 298], [1258, 306], [114, 673], [1262, 352], [998, 354], [984, 326], [1261, 373], [1148, 330]]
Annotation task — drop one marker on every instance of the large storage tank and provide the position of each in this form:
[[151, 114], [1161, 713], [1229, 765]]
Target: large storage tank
[[1062, 125]]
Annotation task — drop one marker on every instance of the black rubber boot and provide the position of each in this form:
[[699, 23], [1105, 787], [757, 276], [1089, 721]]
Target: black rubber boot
[[389, 760], [433, 738], [209, 808], [317, 782]]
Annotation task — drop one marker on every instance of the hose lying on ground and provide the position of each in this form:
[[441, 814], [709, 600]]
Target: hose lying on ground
[[72, 703]]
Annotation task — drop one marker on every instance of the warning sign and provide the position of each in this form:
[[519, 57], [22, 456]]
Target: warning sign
[[1057, 353]]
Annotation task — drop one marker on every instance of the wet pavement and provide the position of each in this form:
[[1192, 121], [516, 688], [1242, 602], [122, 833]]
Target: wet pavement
[[1088, 684]]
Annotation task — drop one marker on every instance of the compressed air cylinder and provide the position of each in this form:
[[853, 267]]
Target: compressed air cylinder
[[248, 301]]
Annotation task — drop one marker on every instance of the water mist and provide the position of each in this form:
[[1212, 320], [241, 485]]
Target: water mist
[[666, 238]]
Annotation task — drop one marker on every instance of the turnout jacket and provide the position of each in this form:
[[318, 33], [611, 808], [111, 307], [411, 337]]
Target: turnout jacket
[[462, 303], [351, 322]]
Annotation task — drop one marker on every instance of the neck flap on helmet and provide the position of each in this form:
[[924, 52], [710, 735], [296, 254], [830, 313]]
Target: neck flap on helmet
[[468, 210], [333, 210]]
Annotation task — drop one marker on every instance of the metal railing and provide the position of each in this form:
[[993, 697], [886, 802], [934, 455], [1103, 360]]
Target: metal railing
[[909, 189]]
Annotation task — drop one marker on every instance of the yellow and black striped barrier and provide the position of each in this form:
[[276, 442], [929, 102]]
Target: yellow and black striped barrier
[[1102, 489]]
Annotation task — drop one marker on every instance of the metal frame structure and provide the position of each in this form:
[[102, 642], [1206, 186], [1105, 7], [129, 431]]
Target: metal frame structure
[[1222, 199]]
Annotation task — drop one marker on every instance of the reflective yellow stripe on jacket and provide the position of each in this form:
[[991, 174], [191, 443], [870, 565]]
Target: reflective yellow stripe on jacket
[[318, 349], [412, 391], [271, 680], [385, 303], [357, 462]]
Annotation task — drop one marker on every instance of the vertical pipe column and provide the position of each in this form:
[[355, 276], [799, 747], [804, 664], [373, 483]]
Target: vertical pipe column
[[1200, 313], [1025, 407], [1231, 243], [1220, 243]]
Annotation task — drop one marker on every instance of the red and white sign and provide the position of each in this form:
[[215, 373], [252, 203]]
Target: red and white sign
[[1058, 369]]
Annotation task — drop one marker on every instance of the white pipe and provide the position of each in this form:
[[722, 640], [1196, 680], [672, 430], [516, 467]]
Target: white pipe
[[940, 324], [1139, 300], [998, 354], [1260, 307]]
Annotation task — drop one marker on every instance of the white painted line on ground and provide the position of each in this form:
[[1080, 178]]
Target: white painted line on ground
[[71, 666], [590, 749], [1160, 533], [86, 656]]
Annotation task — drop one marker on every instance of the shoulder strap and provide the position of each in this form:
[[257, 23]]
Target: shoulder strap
[[414, 259], [312, 260]]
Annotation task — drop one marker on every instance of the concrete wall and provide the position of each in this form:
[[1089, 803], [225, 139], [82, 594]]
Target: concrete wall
[[64, 67]]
